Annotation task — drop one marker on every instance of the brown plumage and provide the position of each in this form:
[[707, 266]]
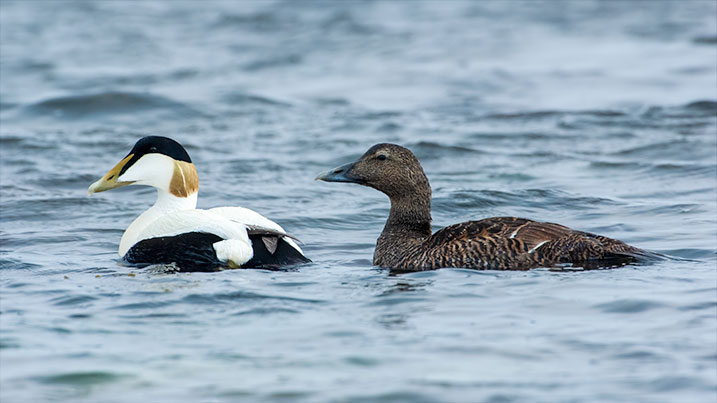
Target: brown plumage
[[499, 243]]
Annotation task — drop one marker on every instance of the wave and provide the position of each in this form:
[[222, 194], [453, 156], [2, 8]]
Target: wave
[[459, 201], [644, 117], [535, 115], [428, 150], [244, 99], [105, 104]]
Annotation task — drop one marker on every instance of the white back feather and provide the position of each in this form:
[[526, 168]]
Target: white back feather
[[251, 217]]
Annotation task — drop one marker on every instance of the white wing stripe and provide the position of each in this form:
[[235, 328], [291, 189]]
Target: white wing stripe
[[537, 246]]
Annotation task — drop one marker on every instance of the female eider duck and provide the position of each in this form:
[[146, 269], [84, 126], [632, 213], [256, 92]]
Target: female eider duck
[[175, 231], [499, 243]]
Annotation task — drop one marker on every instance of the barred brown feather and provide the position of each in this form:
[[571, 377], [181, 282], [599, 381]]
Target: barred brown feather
[[503, 243]]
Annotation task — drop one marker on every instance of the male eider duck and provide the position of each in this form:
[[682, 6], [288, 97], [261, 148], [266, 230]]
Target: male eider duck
[[499, 243], [175, 231]]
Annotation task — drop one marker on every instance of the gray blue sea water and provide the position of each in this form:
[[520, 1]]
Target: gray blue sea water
[[599, 115]]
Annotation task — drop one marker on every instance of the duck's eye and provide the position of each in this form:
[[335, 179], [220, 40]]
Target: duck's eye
[[381, 157]]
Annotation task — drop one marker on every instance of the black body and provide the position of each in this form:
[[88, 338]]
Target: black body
[[193, 251]]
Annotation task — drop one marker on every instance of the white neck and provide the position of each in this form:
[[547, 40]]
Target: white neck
[[166, 203]]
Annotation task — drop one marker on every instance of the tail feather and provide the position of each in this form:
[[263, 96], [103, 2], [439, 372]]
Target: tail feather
[[283, 254]]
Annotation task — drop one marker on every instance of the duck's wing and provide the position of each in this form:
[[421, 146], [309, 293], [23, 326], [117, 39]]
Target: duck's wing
[[273, 247], [256, 222], [246, 217], [518, 243], [254, 230], [557, 243], [529, 231]]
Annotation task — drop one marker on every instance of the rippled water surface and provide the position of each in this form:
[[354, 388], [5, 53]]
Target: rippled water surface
[[598, 115]]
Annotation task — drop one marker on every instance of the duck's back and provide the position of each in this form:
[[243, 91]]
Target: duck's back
[[510, 243]]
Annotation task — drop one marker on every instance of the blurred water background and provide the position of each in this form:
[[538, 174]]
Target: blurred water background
[[600, 115]]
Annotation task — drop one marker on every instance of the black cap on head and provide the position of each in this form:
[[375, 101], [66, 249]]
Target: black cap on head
[[160, 145]]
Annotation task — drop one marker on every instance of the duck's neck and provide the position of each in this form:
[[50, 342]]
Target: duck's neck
[[410, 216], [407, 227], [166, 203]]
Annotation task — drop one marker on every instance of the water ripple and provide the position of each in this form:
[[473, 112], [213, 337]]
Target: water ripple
[[628, 306], [106, 103]]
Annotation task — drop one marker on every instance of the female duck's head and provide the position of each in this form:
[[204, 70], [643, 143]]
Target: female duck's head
[[154, 161], [388, 168]]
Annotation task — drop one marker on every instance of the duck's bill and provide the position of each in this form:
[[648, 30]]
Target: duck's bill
[[338, 174], [109, 181]]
